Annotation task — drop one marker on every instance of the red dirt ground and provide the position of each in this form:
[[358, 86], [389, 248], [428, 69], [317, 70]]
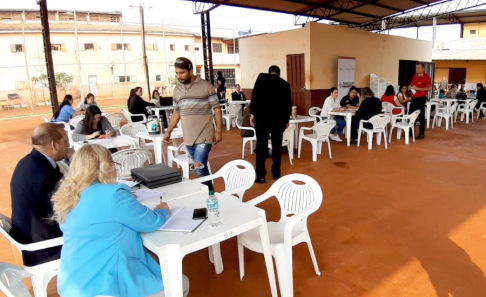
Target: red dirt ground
[[403, 222]]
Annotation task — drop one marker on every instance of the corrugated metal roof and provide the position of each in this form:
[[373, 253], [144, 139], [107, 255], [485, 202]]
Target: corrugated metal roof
[[469, 54]]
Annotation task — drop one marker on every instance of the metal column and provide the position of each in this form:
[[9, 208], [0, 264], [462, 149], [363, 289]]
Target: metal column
[[207, 46], [46, 36]]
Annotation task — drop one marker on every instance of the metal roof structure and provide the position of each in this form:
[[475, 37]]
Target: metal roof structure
[[460, 17], [372, 15]]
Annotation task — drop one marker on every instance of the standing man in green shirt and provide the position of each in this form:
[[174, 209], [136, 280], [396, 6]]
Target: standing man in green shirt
[[194, 103]]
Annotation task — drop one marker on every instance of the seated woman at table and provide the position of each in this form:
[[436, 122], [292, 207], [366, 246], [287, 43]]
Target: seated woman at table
[[155, 98], [101, 221], [93, 125], [88, 101], [331, 104], [370, 106], [404, 96], [136, 104], [451, 94], [352, 99], [390, 97], [65, 111]]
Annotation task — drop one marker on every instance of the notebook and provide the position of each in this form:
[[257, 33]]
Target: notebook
[[181, 221]]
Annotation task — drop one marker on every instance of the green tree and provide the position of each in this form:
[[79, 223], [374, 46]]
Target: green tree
[[62, 80]]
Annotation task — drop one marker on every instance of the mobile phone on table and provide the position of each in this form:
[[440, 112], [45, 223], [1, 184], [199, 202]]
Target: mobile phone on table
[[199, 214], [102, 136]]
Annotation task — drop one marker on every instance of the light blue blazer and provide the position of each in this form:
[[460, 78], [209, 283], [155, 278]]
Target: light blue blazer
[[103, 252]]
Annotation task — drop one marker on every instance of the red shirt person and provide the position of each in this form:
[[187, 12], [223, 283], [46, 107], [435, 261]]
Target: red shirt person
[[391, 98], [420, 86]]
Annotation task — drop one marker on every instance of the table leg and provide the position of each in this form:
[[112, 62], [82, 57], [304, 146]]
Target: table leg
[[349, 119], [296, 135], [158, 150], [428, 109], [467, 113], [170, 257], [268, 256], [218, 261]]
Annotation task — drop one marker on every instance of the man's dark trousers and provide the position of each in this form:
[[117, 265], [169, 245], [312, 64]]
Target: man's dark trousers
[[419, 104], [276, 136]]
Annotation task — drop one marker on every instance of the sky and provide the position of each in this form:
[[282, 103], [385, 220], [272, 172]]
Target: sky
[[225, 21]]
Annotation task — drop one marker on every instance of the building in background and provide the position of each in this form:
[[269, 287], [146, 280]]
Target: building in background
[[103, 54]]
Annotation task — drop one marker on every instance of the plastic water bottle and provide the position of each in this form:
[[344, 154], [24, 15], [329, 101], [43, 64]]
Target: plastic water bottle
[[213, 210]]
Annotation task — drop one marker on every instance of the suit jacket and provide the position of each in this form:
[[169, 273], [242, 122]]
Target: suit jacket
[[33, 183], [137, 105], [103, 252], [235, 96], [271, 102]]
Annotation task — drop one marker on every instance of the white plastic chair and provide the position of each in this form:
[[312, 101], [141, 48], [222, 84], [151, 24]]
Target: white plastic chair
[[128, 115], [389, 108], [466, 109], [320, 133], [482, 108], [297, 202], [406, 124], [182, 160], [236, 180], [129, 159], [41, 274], [75, 120], [379, 123], [251, 139], [446, 113], [315, 112], [11, 280], [115, 119], [132, 129], [231, 115], [288, 141]]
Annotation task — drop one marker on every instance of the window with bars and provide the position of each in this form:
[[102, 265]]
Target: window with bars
[[123, 78], [115, 19], [217, 47], [186, 48], [16, 48], [233, 50], [89, 47], [57, 47], [153, 47], [157, 77], [230, 76], [172, 47], [472, 32], [120, 46]]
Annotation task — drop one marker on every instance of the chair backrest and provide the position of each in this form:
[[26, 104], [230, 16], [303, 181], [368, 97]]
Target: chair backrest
[[234, 110], [288, 134], [127, 114], [315, 111], [323, 128], [5, 227], [379, 121], [129, 159], [131, 129], [297, 194], [413, 117], [472, 104], [45, 119], [224, 107], [75, 120], [238, 176], [115, 118], [11, 280]]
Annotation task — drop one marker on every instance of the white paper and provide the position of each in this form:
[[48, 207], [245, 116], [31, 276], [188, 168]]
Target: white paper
[[129, 183], [143, 195], [181, 221]]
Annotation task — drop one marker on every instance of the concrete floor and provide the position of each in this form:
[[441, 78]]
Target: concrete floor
[[402, 222]]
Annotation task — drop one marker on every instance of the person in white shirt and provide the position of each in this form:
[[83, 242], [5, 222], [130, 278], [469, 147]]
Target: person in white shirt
[[332, 104]]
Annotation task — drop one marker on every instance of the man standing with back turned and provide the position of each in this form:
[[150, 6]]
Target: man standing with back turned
[[194, 101], [421, 85], [271, 107]]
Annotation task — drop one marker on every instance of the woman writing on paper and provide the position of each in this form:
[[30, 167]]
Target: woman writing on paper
[[93, 125], [101, 220]]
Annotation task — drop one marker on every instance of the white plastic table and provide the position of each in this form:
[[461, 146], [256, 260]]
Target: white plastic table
[[183, 189], [348, 115], [171, 247], [167, 110], [296, 121], [109, 142], [158, 140]]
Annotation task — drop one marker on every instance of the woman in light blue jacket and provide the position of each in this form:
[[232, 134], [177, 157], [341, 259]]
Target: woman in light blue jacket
[[101, 220]]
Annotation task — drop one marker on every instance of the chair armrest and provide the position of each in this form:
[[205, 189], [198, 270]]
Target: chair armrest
[[175, 149], [483, 105], [247, 128], [259, 199], [43, 244], [205, 178], [139, 115]]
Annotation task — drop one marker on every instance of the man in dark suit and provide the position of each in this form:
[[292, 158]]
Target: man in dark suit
[[481, 96], [238, 95], [271, 107], [34, 181]]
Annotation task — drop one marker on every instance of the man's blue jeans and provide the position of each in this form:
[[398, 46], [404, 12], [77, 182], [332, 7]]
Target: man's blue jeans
[[199, 153], [340, 124]]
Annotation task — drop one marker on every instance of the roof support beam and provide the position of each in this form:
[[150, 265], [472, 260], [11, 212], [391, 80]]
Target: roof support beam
[[441, 9], [328, 10]]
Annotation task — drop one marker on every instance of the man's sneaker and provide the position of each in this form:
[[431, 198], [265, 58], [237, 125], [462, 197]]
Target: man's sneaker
[[420, 137], [335, 138]]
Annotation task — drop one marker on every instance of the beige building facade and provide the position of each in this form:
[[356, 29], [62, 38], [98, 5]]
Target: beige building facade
[[104, 56]]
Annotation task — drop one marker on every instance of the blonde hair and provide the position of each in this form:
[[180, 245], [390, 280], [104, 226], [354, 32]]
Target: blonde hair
[[91, 163]]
